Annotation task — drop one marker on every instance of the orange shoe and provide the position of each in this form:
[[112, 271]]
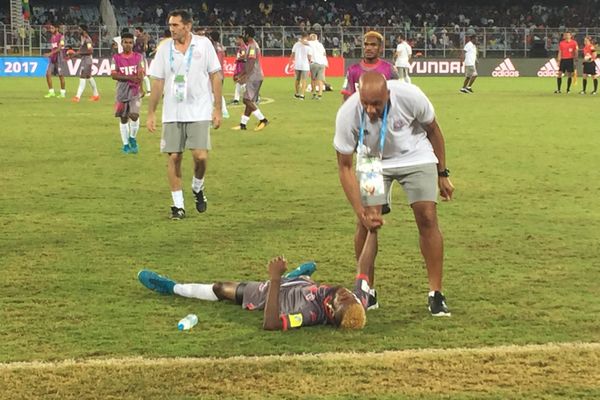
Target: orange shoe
[[75, 99], [95, 98]]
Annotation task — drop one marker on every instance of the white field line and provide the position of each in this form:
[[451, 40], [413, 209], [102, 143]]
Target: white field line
[[400, 354]]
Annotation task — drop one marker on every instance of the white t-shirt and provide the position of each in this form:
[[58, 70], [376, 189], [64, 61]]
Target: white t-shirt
[[319, 56], [404, 52], [301, 52], [406, 142], [470, 54], [198, 103]]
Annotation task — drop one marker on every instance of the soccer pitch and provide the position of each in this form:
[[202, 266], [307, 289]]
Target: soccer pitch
[[79, 219]]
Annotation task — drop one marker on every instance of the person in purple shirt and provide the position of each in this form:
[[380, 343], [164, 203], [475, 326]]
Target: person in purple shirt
[[373, 44], [55, 66], [127, 68], [287, 303]]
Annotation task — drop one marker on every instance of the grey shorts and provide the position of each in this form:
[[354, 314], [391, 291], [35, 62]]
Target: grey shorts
[[127, 108], [252, 90], [177, 136], [301, 75], [255, 295], [317, 71], [470, 71], [56, 68], [85, 67], [419, 182]]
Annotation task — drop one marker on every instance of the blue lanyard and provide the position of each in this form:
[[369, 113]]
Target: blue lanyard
[[361, 131], [188, 61]]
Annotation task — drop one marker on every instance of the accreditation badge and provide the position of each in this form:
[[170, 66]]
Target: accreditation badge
[[369, 171], [179, 88]]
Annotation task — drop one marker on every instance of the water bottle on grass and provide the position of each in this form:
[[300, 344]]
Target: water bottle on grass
[[188, 322]]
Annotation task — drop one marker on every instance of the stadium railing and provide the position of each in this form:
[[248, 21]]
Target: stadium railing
[[434, 42]]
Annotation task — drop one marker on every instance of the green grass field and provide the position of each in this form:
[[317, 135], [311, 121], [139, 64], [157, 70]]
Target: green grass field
[[79, 219]]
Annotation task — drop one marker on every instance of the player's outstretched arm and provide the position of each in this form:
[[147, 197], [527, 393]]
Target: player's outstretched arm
[[368, 254], [276, 268]]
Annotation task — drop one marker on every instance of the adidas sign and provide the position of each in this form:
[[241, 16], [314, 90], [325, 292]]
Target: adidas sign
[[506, 69], [549, 69]]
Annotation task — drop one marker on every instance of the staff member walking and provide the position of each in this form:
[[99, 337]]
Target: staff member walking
[[185, 69]]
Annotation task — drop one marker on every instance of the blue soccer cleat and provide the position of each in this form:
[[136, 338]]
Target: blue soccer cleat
[[133, 146], [305, 269], [156, 282], [126, 149]]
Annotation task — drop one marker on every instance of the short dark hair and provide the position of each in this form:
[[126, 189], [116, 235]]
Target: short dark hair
[[215, 36], [124, 30], [139, 28], [304, 34], [186, 17], [127, 35], [83, 27], [249, 31]]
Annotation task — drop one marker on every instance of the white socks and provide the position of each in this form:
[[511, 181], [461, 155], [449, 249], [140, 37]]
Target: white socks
[[63, 92], [93, 85], [238, 92], [80, 88], [50, 90], [124, 128], [244, 120], [147, 84], [134, 127], [196, 291], [177, 198], [258, 114], [224, 106], [197, 184]]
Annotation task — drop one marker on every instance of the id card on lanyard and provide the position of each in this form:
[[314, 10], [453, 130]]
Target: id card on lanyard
[[179, 79], [369, 169]]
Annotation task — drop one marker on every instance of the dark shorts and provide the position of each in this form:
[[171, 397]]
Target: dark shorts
[[56, 68], [566, 65], [590, 68]]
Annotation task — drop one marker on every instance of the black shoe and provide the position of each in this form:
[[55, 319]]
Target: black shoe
[[437, 305], [385, 209], [372, 303], [557, 91], [200, 201], [177, 213], [235, 102], [464, 90], [469, 90]]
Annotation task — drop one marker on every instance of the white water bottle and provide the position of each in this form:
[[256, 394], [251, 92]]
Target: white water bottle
[[188, 322]]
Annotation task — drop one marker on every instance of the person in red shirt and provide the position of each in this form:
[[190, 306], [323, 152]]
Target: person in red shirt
[[566, 56], [589, 64]]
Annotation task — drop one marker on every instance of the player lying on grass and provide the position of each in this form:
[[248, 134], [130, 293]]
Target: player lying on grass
[[287, 303]]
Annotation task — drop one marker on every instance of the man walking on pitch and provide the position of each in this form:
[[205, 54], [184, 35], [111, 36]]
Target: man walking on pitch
[[127, 69], [373, 45], [566, 56], [185, 69], [301, 57], [55, 66], [402, 58], [252, 77], [391, 127], [240, 62], [469, 59], [86, 52]]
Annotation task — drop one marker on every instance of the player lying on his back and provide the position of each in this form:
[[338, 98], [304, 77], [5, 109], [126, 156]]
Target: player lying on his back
[[287, 303]]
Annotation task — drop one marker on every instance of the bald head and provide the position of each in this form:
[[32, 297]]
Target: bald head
[[374, 94]]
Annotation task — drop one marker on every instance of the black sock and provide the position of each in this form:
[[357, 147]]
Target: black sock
[[569, 80], [595, 84], [584, 84], [559, 82]]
